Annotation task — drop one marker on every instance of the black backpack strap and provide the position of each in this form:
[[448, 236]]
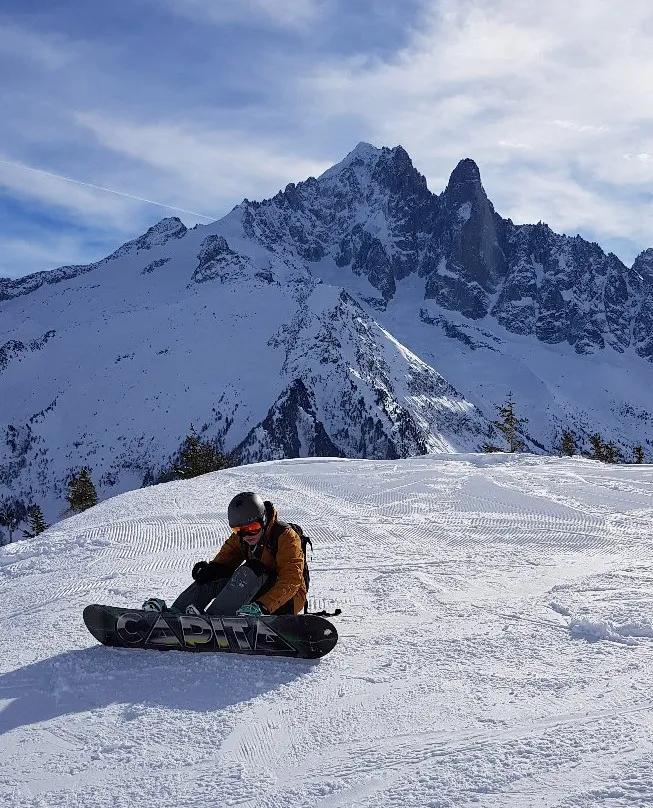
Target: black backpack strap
[[272, 541]]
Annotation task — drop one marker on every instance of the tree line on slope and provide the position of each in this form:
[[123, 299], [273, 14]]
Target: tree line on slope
[[194, 457], [511, 427], [599, 450]]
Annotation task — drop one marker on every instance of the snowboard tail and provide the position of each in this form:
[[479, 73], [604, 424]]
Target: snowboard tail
[[304, 636]]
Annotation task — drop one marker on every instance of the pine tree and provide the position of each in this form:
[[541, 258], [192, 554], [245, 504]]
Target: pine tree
[[81, 491], [611, 453], [638, 453], [598, 447], [510, 425], [12, 513], [36, 522], [568, 443], [198, 457]]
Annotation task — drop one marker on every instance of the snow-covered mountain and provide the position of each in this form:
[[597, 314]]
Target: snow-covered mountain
[[495, 645], [357, 314]]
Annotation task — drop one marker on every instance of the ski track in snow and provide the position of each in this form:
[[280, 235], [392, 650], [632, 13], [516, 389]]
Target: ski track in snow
[[495, 645]]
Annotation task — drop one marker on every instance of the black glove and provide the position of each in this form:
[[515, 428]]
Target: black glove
[[206, 571]]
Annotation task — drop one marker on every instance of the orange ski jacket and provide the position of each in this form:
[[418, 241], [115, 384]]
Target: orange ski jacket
[[287, 564]]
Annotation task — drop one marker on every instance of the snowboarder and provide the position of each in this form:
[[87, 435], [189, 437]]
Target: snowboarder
[[259, 569]]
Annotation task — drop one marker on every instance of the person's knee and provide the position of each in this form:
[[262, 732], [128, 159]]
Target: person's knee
[[286, 608]]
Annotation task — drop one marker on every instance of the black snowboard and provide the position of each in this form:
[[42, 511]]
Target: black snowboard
[[307, 636]]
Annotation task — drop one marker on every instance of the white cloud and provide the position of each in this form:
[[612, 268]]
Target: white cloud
[[204, 168], [572, 207], [530, 91], [513, 144], [583, 128], [83, 204], [20, 256]]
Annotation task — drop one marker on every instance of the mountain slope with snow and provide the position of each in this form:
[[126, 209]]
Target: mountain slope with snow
[[355, 314], [494, 306], [216, 343], [494, 646]]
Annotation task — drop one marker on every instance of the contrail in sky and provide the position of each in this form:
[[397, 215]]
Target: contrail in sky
[[107, 190]]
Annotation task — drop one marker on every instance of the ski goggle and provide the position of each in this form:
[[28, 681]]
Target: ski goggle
[[250, 529]]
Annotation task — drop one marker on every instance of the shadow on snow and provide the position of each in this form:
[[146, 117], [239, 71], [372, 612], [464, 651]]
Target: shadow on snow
[[97, 677]]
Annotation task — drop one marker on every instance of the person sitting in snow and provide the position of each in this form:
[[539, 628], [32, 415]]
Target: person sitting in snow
[[259, 569]]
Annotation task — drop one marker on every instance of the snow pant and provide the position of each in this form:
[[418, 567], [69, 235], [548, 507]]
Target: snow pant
[[227, 595]]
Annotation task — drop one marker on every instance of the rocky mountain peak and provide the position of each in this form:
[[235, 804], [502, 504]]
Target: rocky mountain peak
[[156, 236], [169, 228], [389, 170], [362, 154], [171, 224], [365, 151], [464, 183], [394, 171], [465, 261]]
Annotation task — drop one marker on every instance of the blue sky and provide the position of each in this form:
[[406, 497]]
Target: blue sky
[[197, 104]]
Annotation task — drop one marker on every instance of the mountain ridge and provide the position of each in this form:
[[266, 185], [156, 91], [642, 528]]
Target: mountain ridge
[[174, 223], [356, 313]]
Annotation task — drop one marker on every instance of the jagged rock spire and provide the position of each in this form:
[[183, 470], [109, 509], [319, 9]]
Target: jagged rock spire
[[465, 183], [465, 260]]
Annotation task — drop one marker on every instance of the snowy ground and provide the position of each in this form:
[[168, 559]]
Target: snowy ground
[[496, 645]]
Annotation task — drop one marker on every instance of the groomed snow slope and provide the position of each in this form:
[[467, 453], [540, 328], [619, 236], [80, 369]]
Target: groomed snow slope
[[495, 645]]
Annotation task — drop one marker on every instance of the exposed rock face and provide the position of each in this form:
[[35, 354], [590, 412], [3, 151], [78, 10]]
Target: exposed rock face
[[373, 214], [217, 261], [154, 265], [376, 400], [641, 279], [464, 262], [291, 428], [16, 350], [30, 283], [370, 213]]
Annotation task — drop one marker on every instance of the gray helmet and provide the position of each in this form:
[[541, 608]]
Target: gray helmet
[[244, 508]]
